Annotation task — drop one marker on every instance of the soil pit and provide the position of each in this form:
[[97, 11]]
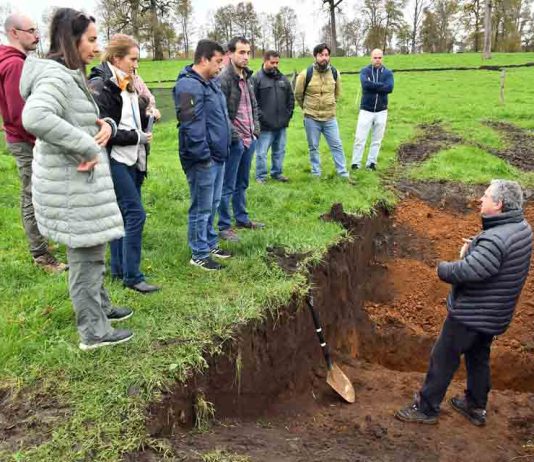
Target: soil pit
[[382, 306]]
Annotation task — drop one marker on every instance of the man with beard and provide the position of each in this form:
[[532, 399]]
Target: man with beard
[[275, 106], [486, 283], [23, 37], [243, 112], [317, 90]]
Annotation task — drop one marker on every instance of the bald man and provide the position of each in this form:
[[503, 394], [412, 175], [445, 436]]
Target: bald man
[[377, 83], [23, 37]]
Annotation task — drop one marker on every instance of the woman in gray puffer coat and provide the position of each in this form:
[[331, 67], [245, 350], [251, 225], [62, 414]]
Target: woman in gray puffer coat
[[71, 184]]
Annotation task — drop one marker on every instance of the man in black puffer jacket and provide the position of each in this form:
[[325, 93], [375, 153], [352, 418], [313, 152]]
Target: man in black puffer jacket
[[486, 284], [275, 107]]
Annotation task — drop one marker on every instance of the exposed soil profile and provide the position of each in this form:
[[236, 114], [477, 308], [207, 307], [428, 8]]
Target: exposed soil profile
[[382, 306]]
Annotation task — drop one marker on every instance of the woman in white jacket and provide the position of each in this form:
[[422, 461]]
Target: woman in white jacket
[[71, 184]]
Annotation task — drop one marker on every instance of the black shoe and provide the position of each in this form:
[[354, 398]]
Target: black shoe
[[206, 264], [476, 416], [114, 338], [144, 288], [371, 167], [354, 166], [413, 414], [119, 313], [250, 225], [281, 178], [220, 253]]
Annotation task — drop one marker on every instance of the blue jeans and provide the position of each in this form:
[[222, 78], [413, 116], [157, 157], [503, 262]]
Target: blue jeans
[[205, 185], [236, 177], [330, 130], [276, 140], [126, 251]]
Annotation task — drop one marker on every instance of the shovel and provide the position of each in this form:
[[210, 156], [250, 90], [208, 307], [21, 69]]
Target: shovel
[[335, 377]]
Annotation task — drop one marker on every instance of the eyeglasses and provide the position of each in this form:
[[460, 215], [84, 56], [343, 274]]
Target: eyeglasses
[[33, 30]]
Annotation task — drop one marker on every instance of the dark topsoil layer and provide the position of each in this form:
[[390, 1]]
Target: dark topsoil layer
[[432, 138], [382, 306]]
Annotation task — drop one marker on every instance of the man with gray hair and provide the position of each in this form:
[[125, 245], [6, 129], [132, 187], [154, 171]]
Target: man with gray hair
[[23, 37], [486, 284]]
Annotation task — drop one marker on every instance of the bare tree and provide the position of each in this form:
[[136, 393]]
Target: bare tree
[[418, 7], [487, 30], [184, 13], [332, 5]]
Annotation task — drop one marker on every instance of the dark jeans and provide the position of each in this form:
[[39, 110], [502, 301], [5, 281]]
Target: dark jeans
[[454, 340], [205, 185], [235, 184], [126, 251]]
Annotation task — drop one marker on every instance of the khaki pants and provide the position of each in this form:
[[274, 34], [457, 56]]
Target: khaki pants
[[23, 153], [89, 297]]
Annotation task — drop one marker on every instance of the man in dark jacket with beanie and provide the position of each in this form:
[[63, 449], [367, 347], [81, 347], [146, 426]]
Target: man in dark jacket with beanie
[[275, 107], [23, 37], [486, 284]]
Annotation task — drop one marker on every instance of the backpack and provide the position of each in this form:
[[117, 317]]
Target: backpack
[[309, 75]]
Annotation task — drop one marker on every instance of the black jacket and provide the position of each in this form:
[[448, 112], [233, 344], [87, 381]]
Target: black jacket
[[377, 83], [275, 99], [108, 97], [487, 282], [229, 81]]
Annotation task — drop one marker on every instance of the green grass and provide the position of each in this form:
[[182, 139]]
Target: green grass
[[107, 391], [154, 71]]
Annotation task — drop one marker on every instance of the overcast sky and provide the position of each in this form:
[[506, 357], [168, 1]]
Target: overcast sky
[[310, 15]]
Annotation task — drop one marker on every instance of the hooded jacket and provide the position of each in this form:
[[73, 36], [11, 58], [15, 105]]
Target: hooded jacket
[[204, 131], [487, 282], [11, 103], [377, 83], [78, 209], [275, 99]]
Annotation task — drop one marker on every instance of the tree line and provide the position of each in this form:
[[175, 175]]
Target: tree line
[[166, 28]]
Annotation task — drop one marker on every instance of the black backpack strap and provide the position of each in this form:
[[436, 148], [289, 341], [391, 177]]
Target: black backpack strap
[[334, 73], [309, 75]]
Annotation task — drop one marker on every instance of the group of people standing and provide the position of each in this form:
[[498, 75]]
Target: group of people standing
[[82, 145], [226, 113]]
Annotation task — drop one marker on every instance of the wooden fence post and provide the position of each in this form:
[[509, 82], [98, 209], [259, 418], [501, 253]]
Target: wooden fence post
[[503, 77]]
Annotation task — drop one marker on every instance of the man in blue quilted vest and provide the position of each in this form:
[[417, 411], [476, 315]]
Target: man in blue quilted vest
[[485, 286]]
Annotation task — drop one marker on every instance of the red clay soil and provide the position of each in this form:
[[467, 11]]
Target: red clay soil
[[385, 357]]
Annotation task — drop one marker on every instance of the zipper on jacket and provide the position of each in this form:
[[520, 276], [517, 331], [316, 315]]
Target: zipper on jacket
[[376, 81]]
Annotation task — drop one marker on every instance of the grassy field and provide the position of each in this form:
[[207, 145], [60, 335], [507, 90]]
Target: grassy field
[[168, 70], [38, 351]]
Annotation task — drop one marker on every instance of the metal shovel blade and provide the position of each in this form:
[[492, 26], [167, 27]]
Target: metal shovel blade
[[340, 383]]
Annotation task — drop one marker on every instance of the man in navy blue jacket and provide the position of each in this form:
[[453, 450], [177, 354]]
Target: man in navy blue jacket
[[377, 83], [204, 141], [486, 283]]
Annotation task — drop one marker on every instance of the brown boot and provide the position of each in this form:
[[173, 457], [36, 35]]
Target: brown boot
[[48, 262]]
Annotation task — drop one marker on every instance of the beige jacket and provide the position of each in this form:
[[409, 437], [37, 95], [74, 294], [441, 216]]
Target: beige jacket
[[323, 91]]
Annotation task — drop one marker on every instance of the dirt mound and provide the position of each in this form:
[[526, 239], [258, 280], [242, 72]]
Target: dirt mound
[[519, 150], [289, 261], [431, 139]]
